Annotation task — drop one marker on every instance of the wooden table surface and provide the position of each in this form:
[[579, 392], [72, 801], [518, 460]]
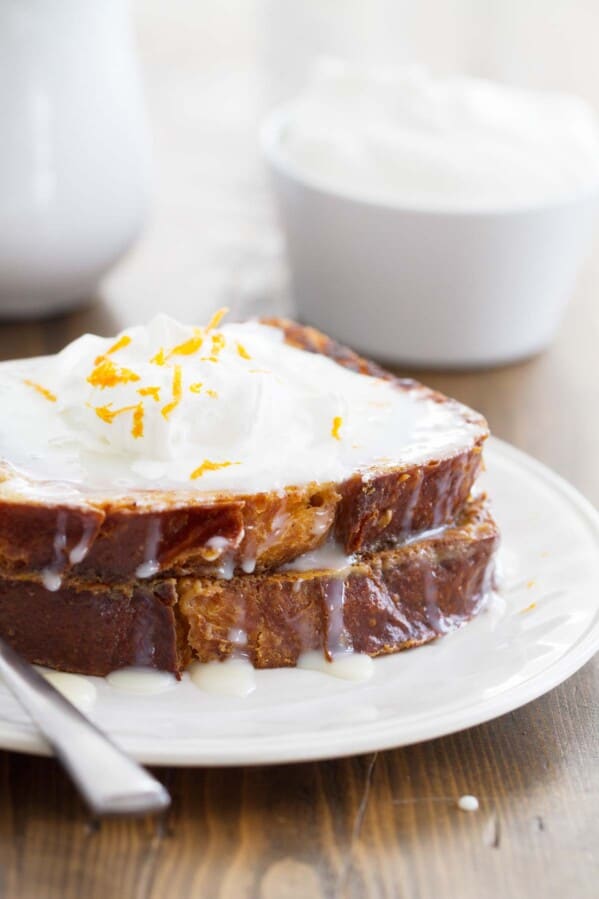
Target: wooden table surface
[[381, 825]]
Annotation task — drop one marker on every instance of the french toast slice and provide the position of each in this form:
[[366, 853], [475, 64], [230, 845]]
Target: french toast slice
[[380, 602], [51, 534]]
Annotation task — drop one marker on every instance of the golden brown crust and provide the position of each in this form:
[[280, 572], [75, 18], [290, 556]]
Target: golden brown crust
[[392, 600], [261, 530], [388, 601], [90, 629]]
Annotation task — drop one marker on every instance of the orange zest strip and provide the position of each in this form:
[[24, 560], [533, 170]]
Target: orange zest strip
[[529, 608], [159, 358], [107, 374], [43, 391], [217, 318], [243, 352], [108, 415], [212, 393], [207, 465], [335, 430], [122, 342], [195, 388], [218, 344], [154, 392], [187, 348], [137, 429], [177, 391]]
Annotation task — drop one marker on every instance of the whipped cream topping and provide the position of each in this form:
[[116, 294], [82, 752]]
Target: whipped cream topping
[[227, 407], [402, 135]]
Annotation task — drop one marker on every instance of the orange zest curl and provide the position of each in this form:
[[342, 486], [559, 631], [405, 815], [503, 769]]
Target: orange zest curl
[[159, 358], [187, 348], [43, 391], [177, 392], [243, 352], [335, 430], [122, 342], [137, 429], [218, 344], [207, 465], [107, 374], [108, 415], [154, 392], [217, 318]]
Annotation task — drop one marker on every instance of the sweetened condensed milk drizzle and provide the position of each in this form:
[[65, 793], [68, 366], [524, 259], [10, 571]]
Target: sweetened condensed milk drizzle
[[81, 549], [151, 566], [52, 574]]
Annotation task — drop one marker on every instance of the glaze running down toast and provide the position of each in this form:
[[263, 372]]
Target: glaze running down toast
[[382, 602]]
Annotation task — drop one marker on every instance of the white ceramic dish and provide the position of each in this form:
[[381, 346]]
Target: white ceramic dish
[[73, 153], [423, 286], [509, 655]]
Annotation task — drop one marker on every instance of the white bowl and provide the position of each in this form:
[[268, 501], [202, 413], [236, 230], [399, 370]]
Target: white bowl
[[428, 287]]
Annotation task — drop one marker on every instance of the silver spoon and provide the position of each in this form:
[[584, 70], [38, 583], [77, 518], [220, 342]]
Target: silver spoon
[[110, 782]]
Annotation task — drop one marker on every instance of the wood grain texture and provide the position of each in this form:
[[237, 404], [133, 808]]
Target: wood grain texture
[[375, 826]]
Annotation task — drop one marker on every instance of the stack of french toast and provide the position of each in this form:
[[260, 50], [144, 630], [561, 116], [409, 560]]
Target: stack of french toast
[[383, 560]]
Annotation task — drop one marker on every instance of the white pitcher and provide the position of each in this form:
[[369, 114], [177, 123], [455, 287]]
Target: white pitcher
[[73, 174]]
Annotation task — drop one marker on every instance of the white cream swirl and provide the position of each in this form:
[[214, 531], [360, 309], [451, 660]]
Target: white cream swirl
[[233, 407]]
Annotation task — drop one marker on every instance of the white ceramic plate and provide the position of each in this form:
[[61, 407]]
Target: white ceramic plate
[[507, 656]]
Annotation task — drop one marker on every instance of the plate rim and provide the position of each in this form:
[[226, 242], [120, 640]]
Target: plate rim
[[269, 749]]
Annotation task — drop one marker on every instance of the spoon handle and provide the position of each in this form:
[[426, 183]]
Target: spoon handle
[[110, 782]]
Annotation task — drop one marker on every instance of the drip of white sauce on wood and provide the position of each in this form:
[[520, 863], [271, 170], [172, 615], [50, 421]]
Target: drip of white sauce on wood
[[233, 677], [356, 666], [145, 681], [77, 689]]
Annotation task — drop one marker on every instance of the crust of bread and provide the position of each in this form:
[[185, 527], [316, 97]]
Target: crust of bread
[[387, 601], [260, 531], [89, 629], [382, 603]]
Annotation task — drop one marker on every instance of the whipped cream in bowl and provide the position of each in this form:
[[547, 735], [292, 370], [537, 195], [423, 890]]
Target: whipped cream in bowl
[[435, 222], [405, 137], [226, 407]]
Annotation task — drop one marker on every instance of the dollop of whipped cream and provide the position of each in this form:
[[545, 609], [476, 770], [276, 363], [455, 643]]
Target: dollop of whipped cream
[[224, 407], [403, 136]]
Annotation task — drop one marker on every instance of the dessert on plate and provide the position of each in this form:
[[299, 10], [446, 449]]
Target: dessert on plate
[[242, 489]]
